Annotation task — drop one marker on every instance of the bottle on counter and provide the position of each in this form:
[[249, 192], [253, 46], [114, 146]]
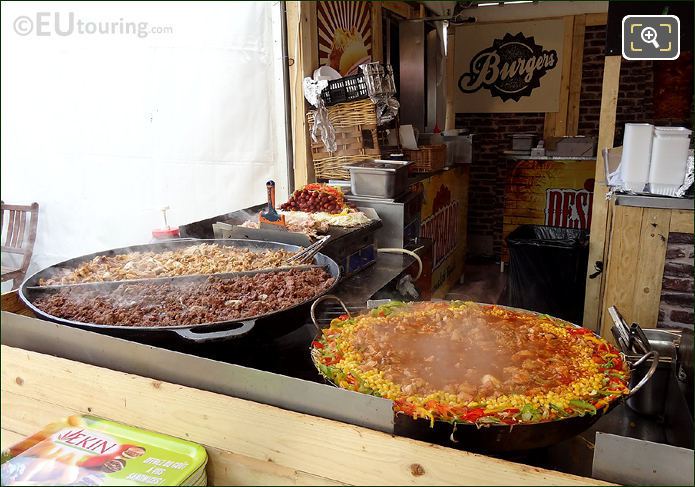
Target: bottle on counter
[[165, 233], [436, 138]]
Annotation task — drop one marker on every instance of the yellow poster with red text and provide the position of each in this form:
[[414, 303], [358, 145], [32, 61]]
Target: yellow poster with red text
[[444, 220]]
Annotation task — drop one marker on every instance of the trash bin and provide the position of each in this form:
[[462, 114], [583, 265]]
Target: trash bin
[[547, 270]]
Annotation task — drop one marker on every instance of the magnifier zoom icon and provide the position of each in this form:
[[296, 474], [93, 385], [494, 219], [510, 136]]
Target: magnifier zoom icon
[[649, 36]]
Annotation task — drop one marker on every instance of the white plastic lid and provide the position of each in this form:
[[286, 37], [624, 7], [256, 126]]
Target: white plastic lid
[[672, 131]]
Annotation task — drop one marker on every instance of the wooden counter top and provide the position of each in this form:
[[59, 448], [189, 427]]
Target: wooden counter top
[[248, 443]]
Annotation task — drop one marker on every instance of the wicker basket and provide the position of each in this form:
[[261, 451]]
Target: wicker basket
[[334, 167], [428, 158], [356, 137]]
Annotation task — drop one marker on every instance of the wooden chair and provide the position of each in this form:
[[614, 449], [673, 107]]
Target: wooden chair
[[16, 240]]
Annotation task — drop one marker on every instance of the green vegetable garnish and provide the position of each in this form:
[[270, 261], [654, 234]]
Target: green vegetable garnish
[[583, 406], [560, 411], [528, 413], [488, 420]]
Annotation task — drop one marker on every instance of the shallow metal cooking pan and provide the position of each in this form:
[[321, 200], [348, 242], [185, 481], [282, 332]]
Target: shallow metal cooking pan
[[274, 324], [498, 437]]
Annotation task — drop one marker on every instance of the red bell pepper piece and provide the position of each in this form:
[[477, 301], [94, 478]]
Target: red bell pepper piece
[[474, 414]]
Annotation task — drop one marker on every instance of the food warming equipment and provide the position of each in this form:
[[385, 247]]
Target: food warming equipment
[[379, 178]]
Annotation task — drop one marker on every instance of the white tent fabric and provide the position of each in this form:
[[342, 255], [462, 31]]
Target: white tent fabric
[[104, 129]]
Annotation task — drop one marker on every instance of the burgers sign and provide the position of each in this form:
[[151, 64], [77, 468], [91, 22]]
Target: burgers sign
[[509, 72], [510, 69]]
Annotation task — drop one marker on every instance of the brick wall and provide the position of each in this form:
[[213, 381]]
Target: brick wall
[[592, 80], [676, 308], [634, 96], [493, 131], [488, 173]]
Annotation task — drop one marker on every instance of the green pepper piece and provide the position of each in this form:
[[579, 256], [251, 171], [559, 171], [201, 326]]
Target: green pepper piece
[[560, 411], [583, 405], [488, 420], [528, 413], [608, 365]]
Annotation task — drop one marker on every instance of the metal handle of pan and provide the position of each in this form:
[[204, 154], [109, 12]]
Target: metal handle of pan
[[655, 363], [202, 337], [321, 299]]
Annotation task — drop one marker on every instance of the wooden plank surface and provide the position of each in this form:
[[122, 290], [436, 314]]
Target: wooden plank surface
[[596, 19], [576, 74], [650, 269], [450, 121], [37, 389], [399, 8], [635, 264], [682, 221], [377, 34], [9, 438], [11, 302], [549, 124], [600, 216], [302, 48], [561, 120], [622, 265]]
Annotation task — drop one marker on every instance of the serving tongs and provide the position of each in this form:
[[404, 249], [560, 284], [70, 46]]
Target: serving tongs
[[639, 339], [620, 330], [307, 255], [631, 339]]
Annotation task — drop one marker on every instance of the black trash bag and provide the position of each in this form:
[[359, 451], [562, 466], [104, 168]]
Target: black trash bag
[[547, 270]]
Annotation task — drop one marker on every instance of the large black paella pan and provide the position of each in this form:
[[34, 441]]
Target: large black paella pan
[[476, 376]]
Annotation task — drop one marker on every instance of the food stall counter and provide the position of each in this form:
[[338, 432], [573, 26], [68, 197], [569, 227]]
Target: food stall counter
[[248, 443]]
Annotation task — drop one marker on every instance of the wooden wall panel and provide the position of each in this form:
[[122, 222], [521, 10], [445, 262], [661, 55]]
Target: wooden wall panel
[[682, 221], [561, 120], [596, 19], [400, 8], [635, 264], [302, 40], [576, 75], [650, 266], [600, 221], [377, 33], [622, 255]]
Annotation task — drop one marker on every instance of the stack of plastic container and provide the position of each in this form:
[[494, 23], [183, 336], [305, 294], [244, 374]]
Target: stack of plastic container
[[654, 158], [667, 169]]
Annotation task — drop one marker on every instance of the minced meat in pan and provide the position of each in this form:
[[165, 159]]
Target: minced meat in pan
[[189, 303]]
